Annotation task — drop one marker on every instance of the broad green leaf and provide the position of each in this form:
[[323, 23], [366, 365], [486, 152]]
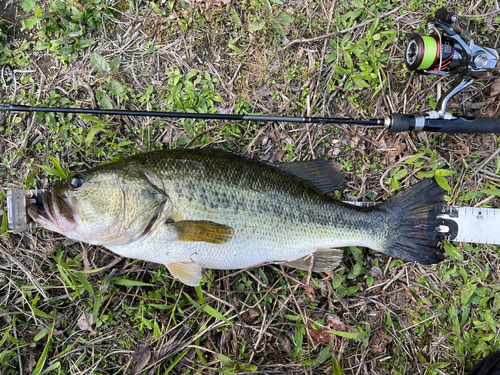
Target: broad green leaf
[[114, 64], [42, 333], [42, 314], [453, 252], [426, 174], [268, 8], [38, 12], [91, 134], [29, 23], [28, 5], [236, 17], [99, 63], [156, 330], [92, 118], [360, 82], [257, 25], [495, 192], [84, 43], [284, 17], [401, 173], [414, 158], [443, 183], [466, 293], [348, 60], [444, 172], [331, 57], [103, 99], [277, 27], [349, 335]]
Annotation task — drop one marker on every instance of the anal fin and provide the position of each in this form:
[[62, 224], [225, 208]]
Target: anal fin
[[323, 260], [187, 272]]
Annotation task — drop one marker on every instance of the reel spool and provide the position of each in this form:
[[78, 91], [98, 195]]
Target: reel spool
[[428, 53]]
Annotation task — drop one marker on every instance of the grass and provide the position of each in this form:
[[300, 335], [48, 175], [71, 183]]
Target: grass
[[72, 308]]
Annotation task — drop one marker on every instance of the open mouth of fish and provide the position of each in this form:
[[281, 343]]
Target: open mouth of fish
[[46, 214]]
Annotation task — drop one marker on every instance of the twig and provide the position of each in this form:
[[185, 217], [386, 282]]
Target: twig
[[486, 162]]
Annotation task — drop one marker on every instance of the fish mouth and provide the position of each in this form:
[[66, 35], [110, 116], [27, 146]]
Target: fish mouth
[[54, 213]]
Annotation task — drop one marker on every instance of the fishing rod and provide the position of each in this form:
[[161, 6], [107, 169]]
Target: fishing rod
[[445, 51]]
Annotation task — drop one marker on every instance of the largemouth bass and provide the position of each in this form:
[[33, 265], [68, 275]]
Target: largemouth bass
[[195, 209]]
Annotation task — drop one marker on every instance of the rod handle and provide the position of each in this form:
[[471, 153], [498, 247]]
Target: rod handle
[[399, 122], [464, 125]]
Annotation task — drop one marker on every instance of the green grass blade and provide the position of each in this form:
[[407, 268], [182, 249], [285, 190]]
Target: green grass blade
[[217, 315]]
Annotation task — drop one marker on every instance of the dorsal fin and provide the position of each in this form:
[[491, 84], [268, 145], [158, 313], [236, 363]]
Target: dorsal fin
[[326, 175]]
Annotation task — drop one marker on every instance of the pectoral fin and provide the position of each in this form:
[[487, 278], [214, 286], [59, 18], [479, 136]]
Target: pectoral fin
[[187, 272], [323, 260], [207, 231]]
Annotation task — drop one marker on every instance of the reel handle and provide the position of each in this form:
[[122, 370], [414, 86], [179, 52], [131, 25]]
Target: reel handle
[[446, 16]]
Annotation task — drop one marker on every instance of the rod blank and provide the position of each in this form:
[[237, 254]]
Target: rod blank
[[204, 116]]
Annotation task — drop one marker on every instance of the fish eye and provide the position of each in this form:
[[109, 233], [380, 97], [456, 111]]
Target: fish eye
[[76, 181]]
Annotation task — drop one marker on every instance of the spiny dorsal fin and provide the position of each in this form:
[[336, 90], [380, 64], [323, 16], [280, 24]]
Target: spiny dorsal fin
[[324, 260], [187, 272], [201, 230], [326, 175]]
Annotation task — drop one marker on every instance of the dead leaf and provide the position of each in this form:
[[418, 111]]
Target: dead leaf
[[274, 155], [85, 322], [321, 336], [379, 341], [332, 323], [377, 274], [309, 291], [139, 360], [495, 87], [287, 346], [250, 315], [399, 148], [493, 111]]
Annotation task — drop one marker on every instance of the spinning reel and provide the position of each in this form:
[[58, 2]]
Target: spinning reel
[[447, 51]]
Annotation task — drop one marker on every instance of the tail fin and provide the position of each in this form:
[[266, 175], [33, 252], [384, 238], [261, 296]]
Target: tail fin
[[412, 223]]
